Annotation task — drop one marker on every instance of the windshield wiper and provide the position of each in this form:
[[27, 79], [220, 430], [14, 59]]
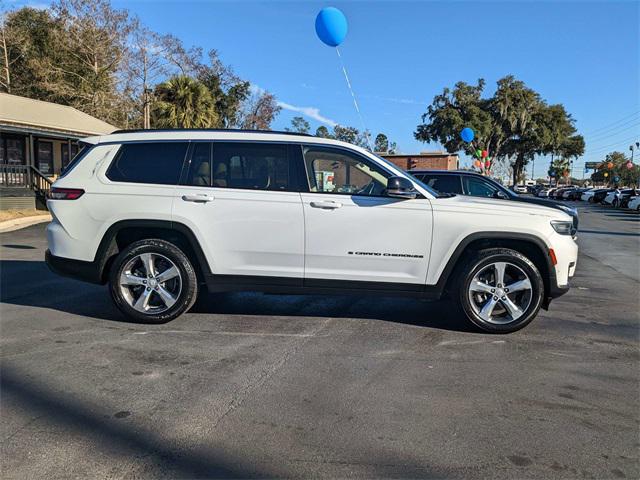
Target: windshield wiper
[[446, 195]]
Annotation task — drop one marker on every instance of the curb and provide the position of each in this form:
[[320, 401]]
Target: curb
[[24, 222]]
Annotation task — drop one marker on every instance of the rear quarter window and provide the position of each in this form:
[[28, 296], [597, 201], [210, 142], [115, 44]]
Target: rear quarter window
[[148, 162]]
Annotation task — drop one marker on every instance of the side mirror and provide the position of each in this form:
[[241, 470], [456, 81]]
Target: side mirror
[[500, 194], [400, 187]]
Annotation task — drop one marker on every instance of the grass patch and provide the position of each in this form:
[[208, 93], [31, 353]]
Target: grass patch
[[13, 214]]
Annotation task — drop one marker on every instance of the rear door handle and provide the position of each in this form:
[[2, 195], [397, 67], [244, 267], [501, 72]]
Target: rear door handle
[[197, 197], [326, 205]]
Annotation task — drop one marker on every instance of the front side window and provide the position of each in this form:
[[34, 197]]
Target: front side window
[[443, 183], [477, 187], [251, 166], [337, 171], [148, 162]]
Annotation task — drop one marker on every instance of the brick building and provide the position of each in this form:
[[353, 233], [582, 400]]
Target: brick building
[[424, 160]]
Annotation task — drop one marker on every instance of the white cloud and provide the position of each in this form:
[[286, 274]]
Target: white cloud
[[311, 112]]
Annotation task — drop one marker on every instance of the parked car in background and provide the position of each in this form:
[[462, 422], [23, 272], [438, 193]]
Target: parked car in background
[[621, 197], [634, 203], [610, 197], [599, 195], [519, 188], [545, 192], [464, 182], [626, 198], [557, 194], [576, 194], [567, 193]]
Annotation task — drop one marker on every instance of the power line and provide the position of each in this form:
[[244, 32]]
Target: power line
[[617, 130], [611, 124], [617, 143]]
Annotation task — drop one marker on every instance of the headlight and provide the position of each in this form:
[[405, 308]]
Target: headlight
[[562, 227]]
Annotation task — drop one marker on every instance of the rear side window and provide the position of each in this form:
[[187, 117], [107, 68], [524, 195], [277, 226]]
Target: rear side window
[[85, 148], [251, 166], [148, 162], [443, 183]]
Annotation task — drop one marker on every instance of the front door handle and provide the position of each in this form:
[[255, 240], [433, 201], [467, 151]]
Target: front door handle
[[197, 197], [326, 205]]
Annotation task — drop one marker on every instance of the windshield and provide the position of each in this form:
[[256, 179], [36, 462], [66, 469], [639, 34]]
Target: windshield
[[414, 179]]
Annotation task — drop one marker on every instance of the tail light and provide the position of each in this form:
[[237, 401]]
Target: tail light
[[65, 193]]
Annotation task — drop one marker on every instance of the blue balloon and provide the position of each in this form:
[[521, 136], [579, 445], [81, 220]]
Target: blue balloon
[[467, 134], [331, 26]]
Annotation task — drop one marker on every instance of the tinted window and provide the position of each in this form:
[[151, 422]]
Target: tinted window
[[443, 183], [338, 171], [477, 187], [199, 169], [252, 166], [159, 163]]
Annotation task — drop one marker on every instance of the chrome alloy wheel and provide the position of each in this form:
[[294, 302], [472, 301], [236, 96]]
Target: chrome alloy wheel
[[150, 283], [500, 293]]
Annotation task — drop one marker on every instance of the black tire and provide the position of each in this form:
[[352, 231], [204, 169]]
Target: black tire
[[188, 290], [478, 262]]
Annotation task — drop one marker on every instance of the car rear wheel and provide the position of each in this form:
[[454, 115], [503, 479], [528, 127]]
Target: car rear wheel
[[153, 281], [500, 290]]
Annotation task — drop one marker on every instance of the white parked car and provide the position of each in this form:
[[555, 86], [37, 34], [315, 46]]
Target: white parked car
[[160, 215], [611, 197], [519, 188], [615, 197], [634, 204]]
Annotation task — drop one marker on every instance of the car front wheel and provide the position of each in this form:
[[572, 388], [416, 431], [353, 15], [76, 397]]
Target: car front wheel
[[500, 290], [153, 281]]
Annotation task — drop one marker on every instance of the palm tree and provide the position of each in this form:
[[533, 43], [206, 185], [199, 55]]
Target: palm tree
[[183, 102]]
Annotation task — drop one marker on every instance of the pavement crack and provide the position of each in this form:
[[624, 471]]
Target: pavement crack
[[265, 374]]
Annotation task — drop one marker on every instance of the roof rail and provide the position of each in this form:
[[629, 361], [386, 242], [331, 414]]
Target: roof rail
[[237, 130]]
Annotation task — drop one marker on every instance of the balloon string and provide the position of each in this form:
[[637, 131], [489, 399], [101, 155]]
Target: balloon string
[[355, 101]]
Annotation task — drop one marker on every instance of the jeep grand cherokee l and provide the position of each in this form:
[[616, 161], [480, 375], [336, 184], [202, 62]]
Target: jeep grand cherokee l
[[161, 215]]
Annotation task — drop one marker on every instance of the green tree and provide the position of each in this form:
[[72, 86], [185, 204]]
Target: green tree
[[382, 143], [183, 102], [299, 125], [27, 38], [323, 132], [228, 90], [513, 125], [615, 164]]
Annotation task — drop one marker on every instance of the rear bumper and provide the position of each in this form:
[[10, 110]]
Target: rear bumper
[[77, 269]]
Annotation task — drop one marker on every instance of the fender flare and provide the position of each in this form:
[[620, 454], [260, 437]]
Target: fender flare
[[449, 268], [108, 247]]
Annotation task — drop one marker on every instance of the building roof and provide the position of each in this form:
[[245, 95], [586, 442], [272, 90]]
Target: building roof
[[418, 155], [36, 114]]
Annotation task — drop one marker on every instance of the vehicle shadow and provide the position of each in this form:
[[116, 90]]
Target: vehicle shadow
[[608, 232], [31, 284], [78, 419]]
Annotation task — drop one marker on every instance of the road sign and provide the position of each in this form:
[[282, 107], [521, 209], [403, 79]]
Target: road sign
[[590, 165]]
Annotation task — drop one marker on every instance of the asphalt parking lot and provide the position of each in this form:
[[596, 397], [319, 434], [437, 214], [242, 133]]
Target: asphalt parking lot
[[252, 385]]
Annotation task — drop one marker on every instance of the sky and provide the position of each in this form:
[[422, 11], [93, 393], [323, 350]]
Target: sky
[[399, 55]]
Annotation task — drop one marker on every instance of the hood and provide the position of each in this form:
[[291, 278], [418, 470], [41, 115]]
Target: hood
[[499, 207]]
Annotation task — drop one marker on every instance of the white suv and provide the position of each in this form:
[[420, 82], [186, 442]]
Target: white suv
[[162, 214]]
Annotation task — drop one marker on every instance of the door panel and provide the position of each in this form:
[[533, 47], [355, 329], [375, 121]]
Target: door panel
[[243, 231], [367, 238], [352, 230]]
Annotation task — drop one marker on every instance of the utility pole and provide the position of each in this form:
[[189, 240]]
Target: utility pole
[[146, 108]]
